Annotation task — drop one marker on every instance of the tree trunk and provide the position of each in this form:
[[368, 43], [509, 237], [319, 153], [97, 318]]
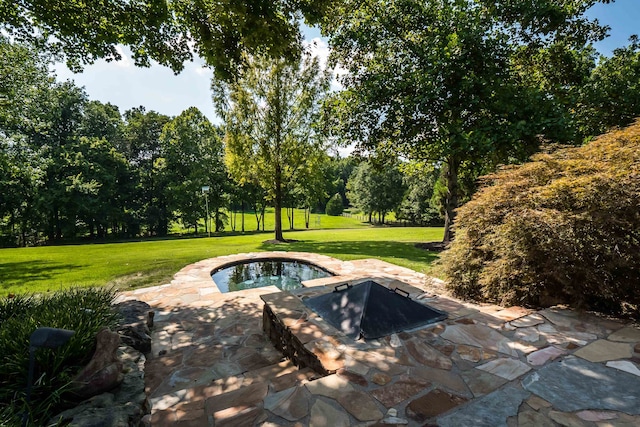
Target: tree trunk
[[307, 217], [291, 221], [242, 218], [278, 204], [451, 201]]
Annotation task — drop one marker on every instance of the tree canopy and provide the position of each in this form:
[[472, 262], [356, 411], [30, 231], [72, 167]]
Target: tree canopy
[[167, 31], [452, 81]]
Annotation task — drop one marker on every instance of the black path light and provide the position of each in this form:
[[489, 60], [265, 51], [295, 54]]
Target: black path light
[[43, 338]]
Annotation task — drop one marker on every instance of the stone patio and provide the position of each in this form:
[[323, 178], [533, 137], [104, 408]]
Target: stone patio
[[211, 364]]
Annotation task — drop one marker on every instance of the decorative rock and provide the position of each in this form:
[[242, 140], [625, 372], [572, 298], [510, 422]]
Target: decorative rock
[[509, 369], [290, 404], [380, 378], [541, 357], [625, 366], [134, 328], [603, 350], [360, 405], [432, 404], [325, 415], [628, 334], [104, 370], [395, 341], [491, 410], [125, 406]]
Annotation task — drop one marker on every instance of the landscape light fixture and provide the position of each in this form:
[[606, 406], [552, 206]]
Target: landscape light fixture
[[43, 338], [205, 191]]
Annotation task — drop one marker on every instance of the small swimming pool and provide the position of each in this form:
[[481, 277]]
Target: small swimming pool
[[286, 274]]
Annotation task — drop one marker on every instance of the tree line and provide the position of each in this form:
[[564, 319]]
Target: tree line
[[453, 86], [71, 167]]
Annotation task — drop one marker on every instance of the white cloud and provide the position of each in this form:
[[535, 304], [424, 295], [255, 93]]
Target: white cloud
[[319, 48], [125, 61]]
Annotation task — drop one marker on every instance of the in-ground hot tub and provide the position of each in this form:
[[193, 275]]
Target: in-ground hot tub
[[285, 274]]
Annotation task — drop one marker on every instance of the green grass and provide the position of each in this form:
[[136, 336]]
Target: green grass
[[152, 262], [317, 221]]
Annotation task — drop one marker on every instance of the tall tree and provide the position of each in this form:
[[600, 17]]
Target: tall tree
[[167, 31], [376, 188], [269, 114], [193, 152], [141, 147], [439, 80], [611, 95]]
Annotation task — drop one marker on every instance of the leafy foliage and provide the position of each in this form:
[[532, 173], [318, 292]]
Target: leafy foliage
[[611, 95], [84, 311], [562, 228], [448, 81], [270, 114], [376, 188], [334, 205], [165, 31]]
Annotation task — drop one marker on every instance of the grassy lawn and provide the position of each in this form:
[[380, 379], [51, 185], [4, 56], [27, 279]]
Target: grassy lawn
[[316, 221], [154, 262]]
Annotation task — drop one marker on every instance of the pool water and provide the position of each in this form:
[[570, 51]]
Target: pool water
[[285, 274]]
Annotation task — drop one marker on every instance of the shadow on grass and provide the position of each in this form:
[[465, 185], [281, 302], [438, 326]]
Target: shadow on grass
[[364, 248], [16, 273]]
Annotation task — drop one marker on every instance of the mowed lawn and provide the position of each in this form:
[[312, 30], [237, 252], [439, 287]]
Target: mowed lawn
[[154, 262]]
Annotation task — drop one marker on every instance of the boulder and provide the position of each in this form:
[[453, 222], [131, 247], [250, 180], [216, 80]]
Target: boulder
[[137, 317], [104, 370]]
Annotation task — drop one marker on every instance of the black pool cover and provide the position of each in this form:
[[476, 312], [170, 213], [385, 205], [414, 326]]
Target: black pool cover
[[369, 310]]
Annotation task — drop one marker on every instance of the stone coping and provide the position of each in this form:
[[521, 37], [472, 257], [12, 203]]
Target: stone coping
[[306, 338]]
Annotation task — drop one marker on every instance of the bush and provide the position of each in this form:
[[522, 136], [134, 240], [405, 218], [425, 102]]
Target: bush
[[563, 228], [334, 206], [84, 311]]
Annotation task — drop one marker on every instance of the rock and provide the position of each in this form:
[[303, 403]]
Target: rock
[[104, 370], [124, 406], [134, 328]]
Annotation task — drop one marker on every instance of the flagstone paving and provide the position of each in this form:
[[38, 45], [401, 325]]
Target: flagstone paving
[[212, 365]]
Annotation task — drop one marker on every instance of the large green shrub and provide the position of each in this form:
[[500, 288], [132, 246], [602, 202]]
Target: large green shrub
[[334, 205], [563, 228], [84, 311]]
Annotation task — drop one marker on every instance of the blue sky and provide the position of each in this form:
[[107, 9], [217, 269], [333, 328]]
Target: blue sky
[[157, 88]]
